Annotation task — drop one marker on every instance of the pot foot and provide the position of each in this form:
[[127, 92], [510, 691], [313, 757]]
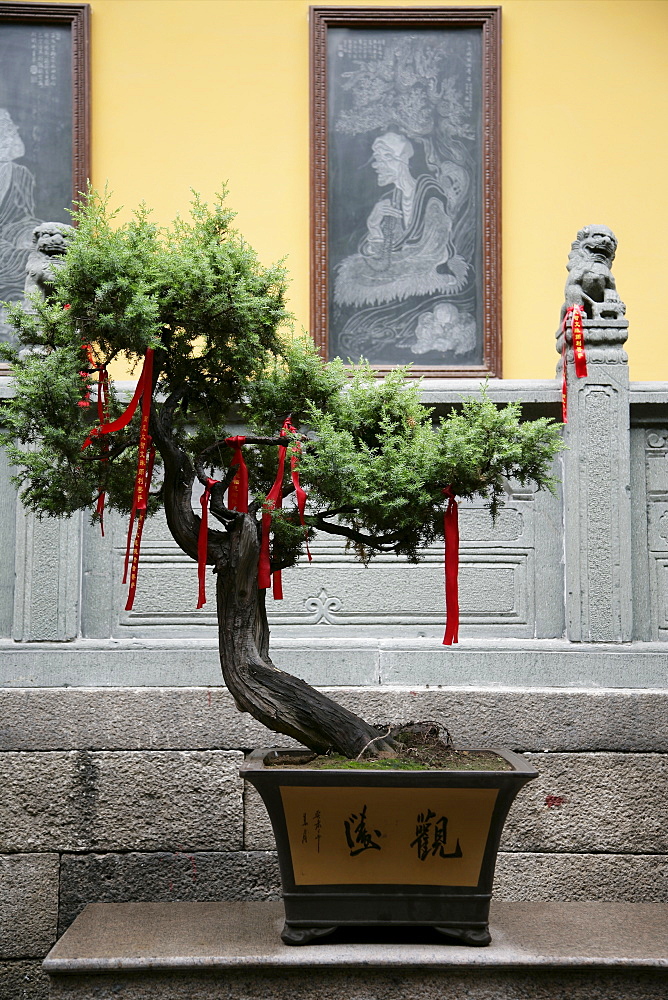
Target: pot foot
[[475, 937], [304, 935]]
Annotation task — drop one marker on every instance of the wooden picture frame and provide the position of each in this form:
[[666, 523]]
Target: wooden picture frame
[[44, 126], [405, 187]]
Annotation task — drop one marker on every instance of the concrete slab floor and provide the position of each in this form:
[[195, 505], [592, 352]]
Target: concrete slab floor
[[245, 935]]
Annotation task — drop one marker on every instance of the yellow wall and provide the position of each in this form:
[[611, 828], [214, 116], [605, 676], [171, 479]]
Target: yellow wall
[[187, 93]]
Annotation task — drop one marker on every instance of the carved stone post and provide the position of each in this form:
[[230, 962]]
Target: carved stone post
[[597, 495]]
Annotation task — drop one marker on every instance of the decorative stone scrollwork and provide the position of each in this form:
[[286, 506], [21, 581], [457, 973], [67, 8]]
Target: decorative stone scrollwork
[[663, 525], [323, 608], [656, 440]]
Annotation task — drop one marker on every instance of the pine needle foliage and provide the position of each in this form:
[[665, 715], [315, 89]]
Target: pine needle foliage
[[374, 459]]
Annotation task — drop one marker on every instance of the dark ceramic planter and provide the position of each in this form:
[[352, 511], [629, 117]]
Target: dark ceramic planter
[[386, 848]]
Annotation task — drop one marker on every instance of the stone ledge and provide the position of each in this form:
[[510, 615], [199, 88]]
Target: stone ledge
[[323, 655], [205, 718], [130, 937], [537, 983]]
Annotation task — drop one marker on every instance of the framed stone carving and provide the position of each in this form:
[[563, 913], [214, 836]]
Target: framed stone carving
[[44, 127], [405, 186]]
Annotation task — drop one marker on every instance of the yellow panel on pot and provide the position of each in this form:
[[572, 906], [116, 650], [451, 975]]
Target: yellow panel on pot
[[373, 836]]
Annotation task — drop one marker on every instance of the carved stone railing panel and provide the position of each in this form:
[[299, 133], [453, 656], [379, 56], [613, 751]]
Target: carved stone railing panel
[[500, 574], [655, 455], [7, 534]]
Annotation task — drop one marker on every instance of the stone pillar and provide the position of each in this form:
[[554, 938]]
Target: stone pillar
[[597, 493]]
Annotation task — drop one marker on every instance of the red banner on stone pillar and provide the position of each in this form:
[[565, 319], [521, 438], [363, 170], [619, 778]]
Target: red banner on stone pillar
[[573, 321]]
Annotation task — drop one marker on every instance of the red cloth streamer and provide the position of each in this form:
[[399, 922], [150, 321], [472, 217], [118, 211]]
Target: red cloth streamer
[[274, 500], [572, 319], [451, 535], [299, 491], [237, 495], [145, 457], [202, 542], [577, 334], [128, 414], [103, 417], [141, 518], [564, 378], [145, 462]]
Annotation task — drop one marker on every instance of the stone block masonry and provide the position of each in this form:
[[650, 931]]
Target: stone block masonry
[[133, 795]]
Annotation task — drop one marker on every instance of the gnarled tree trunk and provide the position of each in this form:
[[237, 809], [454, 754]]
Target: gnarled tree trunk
[[280, 701]]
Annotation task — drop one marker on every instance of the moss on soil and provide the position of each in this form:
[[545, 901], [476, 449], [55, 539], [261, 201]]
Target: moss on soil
[[419, 748], [448, 760]]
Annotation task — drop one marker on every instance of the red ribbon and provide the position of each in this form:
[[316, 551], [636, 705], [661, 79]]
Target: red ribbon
[[145, 457], [141, 518], [273, 502], [299, 491], [128, 414], [572, 318], [145, 462], [451, 536], [237, 495], [202, 542], [577, 333]]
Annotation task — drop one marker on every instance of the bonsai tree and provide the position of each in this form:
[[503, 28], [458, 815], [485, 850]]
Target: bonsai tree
[[195, 302]]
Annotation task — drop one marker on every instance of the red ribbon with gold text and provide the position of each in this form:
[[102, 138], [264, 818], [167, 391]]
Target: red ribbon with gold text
[[141, 518], [300, 493], [451, 536], [145, 461], [572, 319]]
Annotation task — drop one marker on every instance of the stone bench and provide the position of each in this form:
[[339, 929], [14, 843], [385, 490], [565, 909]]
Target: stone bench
[[232, 951]]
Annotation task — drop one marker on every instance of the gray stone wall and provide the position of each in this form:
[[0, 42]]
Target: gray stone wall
[[119, 747], [589, 564], [133, 794]]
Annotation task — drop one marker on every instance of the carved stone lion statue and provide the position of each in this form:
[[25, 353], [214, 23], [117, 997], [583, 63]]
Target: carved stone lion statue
[[590, 282], [49, 243]]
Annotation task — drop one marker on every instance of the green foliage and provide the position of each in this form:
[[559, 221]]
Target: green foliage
[[197, 294], [379, 455], [292, 384]]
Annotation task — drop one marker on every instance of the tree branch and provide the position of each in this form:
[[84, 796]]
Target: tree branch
[[183, 523], [372, 541], [114, 452]]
